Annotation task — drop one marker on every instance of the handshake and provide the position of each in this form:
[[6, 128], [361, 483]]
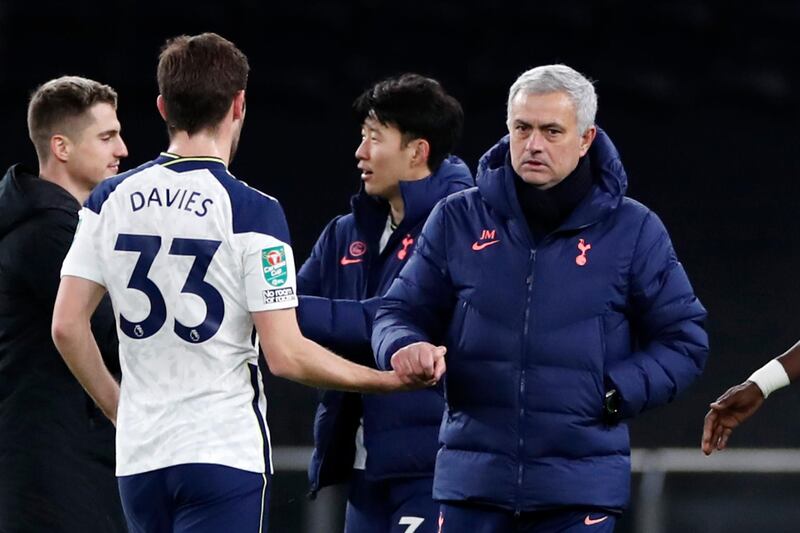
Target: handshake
[[418, 365]]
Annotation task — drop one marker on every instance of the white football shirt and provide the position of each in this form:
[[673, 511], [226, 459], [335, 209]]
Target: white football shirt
[[186, 253]]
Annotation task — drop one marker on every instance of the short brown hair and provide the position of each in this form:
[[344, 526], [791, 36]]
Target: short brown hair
[[58, 105], [198, 76]]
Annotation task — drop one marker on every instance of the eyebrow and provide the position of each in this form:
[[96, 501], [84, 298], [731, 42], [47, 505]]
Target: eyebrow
[[548, 125], [113, 131]]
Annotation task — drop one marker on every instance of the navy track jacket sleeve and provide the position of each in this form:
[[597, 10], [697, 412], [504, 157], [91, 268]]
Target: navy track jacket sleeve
[[344, 326], [668, 320], [420, 300]]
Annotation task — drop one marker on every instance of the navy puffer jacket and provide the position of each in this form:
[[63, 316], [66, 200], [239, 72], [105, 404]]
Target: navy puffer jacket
[[341, 286], [538, 332]]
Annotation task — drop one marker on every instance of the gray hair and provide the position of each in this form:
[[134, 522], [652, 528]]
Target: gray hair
[[559, 78]]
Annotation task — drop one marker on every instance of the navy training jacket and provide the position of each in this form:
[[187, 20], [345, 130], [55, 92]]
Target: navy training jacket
[[341, 285], [538, 332]]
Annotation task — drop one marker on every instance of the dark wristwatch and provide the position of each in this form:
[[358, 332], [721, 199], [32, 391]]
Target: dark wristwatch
[[611, 406]]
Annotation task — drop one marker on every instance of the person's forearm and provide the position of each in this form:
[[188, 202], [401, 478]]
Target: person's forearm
[[791, 362], [81, 354], [309, 363], [779, 372]]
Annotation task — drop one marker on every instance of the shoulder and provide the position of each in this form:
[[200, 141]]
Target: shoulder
[[251, 209], [462, 200], [342, 224], [44, 225], [644, 221], [341, 228], [102, 192], [43, 238], [634, 212]]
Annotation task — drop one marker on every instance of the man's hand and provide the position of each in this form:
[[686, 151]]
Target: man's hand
[[420, 363], [731, 409]]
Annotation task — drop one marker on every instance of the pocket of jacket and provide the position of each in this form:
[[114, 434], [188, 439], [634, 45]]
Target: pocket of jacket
[[601, 377]]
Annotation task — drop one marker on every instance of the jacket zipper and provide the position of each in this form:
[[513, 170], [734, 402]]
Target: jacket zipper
[[521, 443], [363, 292], [529, 281]]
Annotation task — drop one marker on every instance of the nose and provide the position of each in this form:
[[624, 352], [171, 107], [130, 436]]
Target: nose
[[122, 150], [362, 152], [534, 142]]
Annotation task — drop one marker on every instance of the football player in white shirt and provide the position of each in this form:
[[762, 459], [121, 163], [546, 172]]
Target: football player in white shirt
[[192, 260]]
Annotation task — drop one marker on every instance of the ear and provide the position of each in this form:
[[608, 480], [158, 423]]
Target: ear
[[162, 108], [238, 105], [60, 147], [422, 150], [587, 138]]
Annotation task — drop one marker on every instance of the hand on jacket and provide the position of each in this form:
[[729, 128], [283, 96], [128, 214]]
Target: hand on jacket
[[731, 409], [419, 363]]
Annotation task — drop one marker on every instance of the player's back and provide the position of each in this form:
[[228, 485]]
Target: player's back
[[186, 253]]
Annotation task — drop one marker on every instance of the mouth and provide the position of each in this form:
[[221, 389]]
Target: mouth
[[365, 174], [114, 166], [533, 164]]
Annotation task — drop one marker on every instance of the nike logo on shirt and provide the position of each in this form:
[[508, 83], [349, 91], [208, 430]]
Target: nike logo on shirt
[[478, 246], [589, 521], [347, 261]]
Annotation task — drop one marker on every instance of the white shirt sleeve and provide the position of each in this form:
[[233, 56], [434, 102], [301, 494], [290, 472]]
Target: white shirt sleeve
[[269, 274], [82, 260]]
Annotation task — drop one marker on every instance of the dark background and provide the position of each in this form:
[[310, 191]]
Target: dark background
[[701, 99]]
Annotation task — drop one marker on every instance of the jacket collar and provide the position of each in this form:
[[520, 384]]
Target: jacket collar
[[178, 163], [495, 180]]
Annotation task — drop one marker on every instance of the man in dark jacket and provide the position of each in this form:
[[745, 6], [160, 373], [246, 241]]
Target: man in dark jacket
[[56, 448], [564, 311], [409, 126]]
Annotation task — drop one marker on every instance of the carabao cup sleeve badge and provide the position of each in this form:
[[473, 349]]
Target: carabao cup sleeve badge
[[273, 261]]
